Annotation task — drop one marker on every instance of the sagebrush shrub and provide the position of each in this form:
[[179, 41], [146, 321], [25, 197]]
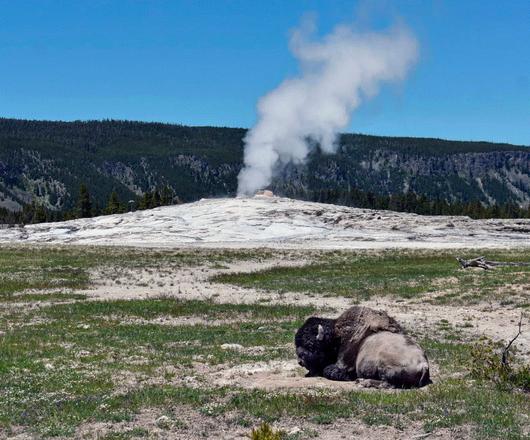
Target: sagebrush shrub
[[266, 432], [486, 364]]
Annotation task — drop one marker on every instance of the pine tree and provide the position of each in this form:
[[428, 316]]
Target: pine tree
[[114, 205], [494, 211], [39, 214], [146, 201], [156, 200], [167, 196], [84, 204]]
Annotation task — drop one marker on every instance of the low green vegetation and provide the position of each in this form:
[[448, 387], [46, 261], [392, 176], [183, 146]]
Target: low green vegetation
[[265, 432], [73, 363], [66, 361], [169, 307], [453, 403], [405, 275], [67, 268], [41, 297], [486, 364], [42, 269], [73, 358]]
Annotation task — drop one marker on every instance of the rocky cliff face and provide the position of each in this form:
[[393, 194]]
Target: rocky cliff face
[[25, 176], [491, 177], [47, 162]]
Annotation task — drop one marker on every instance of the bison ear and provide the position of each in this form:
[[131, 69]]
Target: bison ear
[[320, 334]]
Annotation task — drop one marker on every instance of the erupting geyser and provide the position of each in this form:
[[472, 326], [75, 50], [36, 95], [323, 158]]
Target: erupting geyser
[[337, 72]]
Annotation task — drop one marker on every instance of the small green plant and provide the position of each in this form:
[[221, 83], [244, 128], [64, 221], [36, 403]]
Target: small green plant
[[266, 432], [521, 378], [489, 363], [485, 363]]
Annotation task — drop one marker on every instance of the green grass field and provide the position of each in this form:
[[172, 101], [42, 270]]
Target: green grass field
[[402, 274], [69, 361]]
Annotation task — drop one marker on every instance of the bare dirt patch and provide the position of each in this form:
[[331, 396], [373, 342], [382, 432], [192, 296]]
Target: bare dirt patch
[[277, 375]]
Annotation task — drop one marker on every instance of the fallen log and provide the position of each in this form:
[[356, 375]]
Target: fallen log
[[482, 263]]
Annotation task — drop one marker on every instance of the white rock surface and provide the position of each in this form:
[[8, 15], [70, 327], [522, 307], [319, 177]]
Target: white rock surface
[[275, 222], [236, 347]]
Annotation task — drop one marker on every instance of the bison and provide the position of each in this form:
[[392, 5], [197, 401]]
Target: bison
[[362, 343]]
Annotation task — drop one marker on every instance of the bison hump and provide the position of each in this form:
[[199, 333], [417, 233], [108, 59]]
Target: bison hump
[[358, 322]]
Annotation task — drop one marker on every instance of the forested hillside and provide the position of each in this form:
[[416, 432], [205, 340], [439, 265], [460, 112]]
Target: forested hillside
[[46, 163]]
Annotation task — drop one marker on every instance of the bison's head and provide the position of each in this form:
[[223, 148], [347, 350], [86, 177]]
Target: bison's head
[[316, 345]]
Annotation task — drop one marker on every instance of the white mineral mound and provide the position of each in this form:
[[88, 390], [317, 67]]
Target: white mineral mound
[[275, 222]]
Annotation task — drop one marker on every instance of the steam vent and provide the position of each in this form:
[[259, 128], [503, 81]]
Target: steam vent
[[264, 193]]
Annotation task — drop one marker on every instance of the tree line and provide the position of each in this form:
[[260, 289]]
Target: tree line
[[413, 203], [410, 202], [87, 207]]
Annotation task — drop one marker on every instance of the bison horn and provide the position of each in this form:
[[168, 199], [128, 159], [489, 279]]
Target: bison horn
[[320, 335]]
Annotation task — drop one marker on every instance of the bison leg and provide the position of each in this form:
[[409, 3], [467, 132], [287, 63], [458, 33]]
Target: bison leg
[[334, 372]]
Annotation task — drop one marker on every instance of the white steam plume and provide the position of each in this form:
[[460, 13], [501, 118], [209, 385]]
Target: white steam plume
[[336, 74]]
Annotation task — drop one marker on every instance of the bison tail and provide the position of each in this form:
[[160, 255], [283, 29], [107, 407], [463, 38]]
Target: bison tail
[[425, 376]]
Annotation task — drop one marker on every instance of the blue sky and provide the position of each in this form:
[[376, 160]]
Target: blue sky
[[207, 62]]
